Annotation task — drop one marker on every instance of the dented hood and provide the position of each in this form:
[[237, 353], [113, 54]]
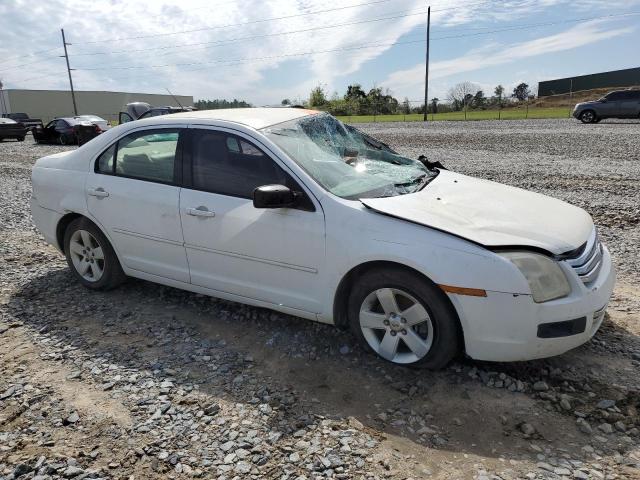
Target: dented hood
[[490, 213]]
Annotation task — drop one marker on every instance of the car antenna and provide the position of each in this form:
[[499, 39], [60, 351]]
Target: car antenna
[[174, 97]]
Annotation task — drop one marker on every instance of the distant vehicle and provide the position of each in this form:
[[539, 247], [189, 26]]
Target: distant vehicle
[[11, 129], [140, 110], [95, 120], [292, 210], [24, 119], [618, 104], [61, 131]]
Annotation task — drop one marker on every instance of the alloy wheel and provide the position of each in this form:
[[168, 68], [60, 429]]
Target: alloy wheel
[[396, 325], [87, 255], [588, 117]]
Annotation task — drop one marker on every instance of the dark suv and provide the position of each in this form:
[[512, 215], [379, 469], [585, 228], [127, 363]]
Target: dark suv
[[618, 104]]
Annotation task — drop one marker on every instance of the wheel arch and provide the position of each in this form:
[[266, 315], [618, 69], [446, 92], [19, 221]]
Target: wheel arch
[[64, 222], [61, 228], [341, 297]]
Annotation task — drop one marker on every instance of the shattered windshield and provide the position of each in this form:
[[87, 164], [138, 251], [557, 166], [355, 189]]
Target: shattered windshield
[[345, 161]]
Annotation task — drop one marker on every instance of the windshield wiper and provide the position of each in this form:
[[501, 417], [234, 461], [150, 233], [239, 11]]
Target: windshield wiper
[[413, 181]]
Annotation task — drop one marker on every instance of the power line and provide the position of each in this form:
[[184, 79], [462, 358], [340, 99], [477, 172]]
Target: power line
[[519, 27], [535, 25], [17, 57], [253, 37], [12, 67], [235, 24]]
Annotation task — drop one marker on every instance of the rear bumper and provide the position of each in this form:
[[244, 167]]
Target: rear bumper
[[46, 221], [508, 327]]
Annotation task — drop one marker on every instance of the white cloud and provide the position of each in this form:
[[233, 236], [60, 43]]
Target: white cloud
[[411, 81], [29, 26]]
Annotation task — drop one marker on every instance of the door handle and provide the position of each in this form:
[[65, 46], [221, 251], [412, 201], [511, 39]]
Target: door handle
[[200, 211], [98, 192]]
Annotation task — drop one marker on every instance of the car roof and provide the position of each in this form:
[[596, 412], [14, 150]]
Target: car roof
[[253, 117]]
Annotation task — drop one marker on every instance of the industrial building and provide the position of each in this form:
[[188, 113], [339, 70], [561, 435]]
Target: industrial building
[[48, 104], [629, 77]]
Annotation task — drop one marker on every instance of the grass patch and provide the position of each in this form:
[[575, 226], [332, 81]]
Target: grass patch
[[504, 114]]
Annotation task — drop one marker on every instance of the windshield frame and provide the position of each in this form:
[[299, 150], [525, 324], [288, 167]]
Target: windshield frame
[[415, 184]]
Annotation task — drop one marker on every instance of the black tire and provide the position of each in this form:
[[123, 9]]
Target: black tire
[[446, 340], [112, 275], [588, 116], [63, 140], [20, 139]]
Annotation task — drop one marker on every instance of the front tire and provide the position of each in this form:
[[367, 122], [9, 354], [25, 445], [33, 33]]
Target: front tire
[[91, 257], [588, 116], [404, 318]]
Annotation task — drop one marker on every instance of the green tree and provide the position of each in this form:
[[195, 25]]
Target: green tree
[[434, 104], [355, 92], [479, 100], [318, 97], [406, 106], [286, 101], [499, 93], [521, 92], [220, 103]]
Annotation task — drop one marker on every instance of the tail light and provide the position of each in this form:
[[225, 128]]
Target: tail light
[[98, 130]]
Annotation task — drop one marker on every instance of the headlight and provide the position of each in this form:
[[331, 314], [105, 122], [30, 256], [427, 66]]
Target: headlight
[[545, 277]]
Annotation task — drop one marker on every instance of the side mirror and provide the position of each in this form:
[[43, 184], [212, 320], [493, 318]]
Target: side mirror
[[124, 117], [273, 196]]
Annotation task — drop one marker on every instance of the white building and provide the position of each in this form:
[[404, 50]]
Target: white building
[[48, 104]]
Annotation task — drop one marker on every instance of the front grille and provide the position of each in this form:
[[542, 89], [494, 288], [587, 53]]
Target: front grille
[[587, 260]]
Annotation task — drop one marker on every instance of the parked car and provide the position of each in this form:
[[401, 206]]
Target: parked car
[[62, 131], [30, 123], [618, 104], [291, 210], [142, 110], [11, 129], [95, 120]]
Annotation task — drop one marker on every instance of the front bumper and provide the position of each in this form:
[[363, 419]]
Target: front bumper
[[505, 326]]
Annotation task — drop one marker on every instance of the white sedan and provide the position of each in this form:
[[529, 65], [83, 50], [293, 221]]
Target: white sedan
[[290, 209]]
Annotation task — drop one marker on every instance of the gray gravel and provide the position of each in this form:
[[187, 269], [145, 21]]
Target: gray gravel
[[152, 382]]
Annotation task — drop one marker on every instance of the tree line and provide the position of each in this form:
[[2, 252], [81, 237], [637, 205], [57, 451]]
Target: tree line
[[380, 101], [220, 103]]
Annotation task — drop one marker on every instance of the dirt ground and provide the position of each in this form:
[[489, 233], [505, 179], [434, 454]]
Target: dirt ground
[[151, 382]]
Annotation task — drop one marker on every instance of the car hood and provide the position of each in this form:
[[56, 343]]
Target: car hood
[[588, 104], [491, 214]]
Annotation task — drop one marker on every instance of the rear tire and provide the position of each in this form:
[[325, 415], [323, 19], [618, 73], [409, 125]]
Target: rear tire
[[588, 116], [91, 257], [417, 326]]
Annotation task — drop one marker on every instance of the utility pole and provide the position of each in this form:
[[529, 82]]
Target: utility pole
[[4, 108], [426, 67], [66, 56]]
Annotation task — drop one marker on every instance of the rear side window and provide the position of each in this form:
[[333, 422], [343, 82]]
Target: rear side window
[[148, 155], [616, 96], [105, 161], [229, 165]]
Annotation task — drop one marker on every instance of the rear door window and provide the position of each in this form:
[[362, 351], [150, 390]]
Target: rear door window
[[146, 155]]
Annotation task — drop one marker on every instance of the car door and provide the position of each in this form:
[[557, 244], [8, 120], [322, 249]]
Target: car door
[[133, 192], [48, 133], [612, 107], [272, 255], [630, 104]]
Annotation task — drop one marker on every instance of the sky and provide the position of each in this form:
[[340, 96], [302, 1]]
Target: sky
[[265, 51]]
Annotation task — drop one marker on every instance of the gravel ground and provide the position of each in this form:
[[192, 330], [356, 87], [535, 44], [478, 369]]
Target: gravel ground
[[152, 382]]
